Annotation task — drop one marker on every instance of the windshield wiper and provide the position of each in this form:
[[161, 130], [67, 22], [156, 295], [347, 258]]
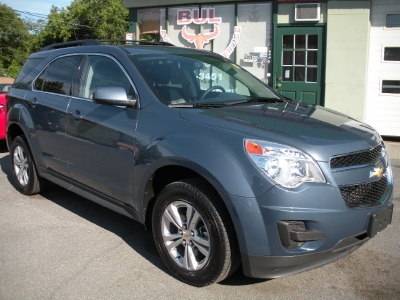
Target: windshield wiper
[[197, 105], [213, 105], [260, 99]]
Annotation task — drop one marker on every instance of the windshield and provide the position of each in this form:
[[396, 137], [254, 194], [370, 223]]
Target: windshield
[[199, 79]]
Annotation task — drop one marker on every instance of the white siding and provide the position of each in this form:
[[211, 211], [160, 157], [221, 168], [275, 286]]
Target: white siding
[[382, 110]]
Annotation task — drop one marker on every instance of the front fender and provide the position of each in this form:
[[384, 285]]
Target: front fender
[[221, 160], [216, 155]]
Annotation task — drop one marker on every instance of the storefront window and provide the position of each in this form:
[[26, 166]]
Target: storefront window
[[203, 27], [226, 28], [254, 49], [213, 28], [150, 22], [180, 20]]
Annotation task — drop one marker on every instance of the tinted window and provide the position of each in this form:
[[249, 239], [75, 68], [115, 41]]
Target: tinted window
[[101, 71], [59, 75], [40, 80], [27, 74]]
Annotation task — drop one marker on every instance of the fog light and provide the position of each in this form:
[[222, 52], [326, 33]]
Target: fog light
[[293, 234]]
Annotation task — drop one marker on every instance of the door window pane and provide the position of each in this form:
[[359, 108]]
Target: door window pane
[[287, 58], [300, 58], [299, 74], [102, 71], [312, 58], [312, 42], [391, 54], [60, 74], [39, 81], [392, 20], [391, 86], [312, 74], [287, 42], [287, 74], [300, 41]]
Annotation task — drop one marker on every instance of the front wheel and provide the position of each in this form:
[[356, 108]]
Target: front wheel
[[23, 168], [191, 234]]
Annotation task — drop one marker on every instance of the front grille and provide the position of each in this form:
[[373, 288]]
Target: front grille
[[362, 194], [356, 158]]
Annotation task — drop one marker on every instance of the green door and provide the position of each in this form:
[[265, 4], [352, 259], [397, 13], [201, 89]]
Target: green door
[[298, 63]]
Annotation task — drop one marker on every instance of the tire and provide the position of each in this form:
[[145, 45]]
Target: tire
[[26, 178], [193, 234]]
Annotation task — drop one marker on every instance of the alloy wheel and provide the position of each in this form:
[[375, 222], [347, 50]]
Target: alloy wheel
[[186, 236], [21, 166]]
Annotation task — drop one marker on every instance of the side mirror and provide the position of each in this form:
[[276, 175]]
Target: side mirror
[[113, 95]]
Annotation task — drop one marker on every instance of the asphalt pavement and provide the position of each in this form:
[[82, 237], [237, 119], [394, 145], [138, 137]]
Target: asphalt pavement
[[58, 245]]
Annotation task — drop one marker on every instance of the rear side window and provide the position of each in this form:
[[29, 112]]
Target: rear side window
[[27, 73], [59, 76]]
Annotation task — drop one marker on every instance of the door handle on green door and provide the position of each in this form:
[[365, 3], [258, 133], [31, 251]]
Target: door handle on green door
[[278, 85]]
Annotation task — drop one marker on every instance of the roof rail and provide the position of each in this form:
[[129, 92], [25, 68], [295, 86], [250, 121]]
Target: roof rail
[[128, 42], [71, 44], [92, 42]]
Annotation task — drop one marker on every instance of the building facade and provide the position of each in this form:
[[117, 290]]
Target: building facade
[[344, 55]]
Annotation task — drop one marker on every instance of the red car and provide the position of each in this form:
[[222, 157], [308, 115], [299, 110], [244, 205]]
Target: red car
[[5, 84], [3, 116]]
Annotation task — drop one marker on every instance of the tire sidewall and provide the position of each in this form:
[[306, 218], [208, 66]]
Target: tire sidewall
[[218, 251], [25, 189]]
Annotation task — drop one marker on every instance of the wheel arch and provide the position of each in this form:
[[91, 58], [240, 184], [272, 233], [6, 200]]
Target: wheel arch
[[13, 131], [171, 173], [19, 123]]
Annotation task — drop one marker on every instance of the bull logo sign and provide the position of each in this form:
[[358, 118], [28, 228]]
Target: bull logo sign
[[188, 16]]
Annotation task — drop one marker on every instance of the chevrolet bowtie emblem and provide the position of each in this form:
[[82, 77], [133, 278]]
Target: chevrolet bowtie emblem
[[377, 172]]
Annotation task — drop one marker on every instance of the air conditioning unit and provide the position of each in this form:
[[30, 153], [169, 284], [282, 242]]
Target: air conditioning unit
[[307, 12]]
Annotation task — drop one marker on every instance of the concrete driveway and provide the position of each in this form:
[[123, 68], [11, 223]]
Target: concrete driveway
[[61, 246]]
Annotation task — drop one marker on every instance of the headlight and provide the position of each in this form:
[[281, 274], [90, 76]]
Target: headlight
[[287, 166]]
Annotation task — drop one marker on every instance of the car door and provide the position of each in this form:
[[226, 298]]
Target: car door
[[47, 104], [100, 138]]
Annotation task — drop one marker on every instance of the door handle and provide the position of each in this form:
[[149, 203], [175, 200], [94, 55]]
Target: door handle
[[76, 115], [33, 102], [278, 85]]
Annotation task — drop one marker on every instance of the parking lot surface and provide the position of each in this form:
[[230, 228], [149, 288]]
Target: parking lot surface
[[58, 245]]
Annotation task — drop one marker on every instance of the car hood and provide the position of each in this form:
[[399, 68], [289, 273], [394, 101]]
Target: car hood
[[319, 131]]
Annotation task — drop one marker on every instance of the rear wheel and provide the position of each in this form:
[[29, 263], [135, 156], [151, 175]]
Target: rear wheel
[[23, 167], [191, 234]]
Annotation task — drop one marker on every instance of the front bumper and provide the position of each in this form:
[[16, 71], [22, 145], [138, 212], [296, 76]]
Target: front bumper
[[321, 209], [277, 266]]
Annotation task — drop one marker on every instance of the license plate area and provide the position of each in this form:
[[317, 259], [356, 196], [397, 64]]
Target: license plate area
[[380, 220]]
